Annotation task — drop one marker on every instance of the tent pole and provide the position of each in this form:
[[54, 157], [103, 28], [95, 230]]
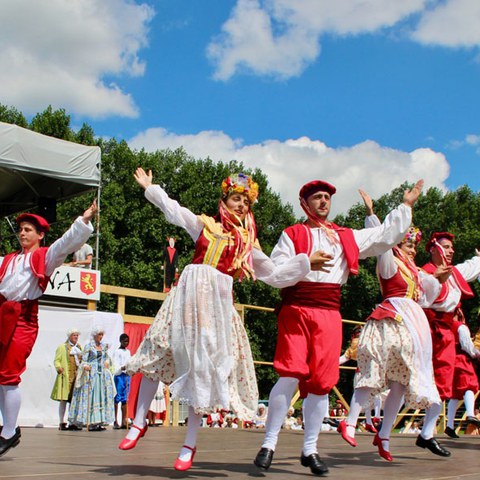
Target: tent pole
[[97, 242]]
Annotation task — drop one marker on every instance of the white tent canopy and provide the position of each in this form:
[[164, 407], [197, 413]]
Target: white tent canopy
[[34, 166]]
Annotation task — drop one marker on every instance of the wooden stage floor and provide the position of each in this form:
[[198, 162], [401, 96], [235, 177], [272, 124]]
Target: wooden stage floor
[[227, 454]]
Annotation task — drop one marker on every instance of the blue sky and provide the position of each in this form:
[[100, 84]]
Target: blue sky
[[361, 93]]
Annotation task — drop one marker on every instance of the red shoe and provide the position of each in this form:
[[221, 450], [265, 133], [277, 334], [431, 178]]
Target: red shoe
[[370, 428], [377, 441], [183, 465], [342, 430], [128, 444]]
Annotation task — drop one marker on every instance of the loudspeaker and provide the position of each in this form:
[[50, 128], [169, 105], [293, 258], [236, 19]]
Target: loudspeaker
[[47, 208]]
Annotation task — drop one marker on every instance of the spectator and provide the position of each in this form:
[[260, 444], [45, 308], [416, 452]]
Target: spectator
[[298, 425], [67, 359], [82, 258], [260, 418], [122, 381], [290, 420], [92, 402]]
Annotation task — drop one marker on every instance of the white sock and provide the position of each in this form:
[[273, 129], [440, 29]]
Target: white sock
[[368, 416], [11, 409], [314, 407], [390, 411], [62, 408], [194, 423], [451, 412], [278, 404], [359, 398], [469, 399], [147, 391], [431, 416]]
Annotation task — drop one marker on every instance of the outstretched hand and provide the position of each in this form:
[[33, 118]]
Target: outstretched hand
[[90, 212], [367, 200], [318, 261], [143, 178], [442, 273], [411, 196]]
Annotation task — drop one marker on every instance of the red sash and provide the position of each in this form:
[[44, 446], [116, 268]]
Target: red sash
[[313, 295]]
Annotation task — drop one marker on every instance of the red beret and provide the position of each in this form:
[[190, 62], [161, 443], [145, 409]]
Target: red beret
[[436, 236], [36, 220], [316, 186]]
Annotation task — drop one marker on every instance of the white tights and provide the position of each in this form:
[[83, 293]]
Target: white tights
[[469, 400], [10, 401], [431, 415]]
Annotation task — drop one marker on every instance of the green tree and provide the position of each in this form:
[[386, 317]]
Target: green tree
[[13, 116]]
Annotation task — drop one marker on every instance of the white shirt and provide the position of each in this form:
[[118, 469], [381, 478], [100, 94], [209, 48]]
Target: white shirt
[[121, 356], [466, 343], [19, 282], [81, 255], [371, 241], [291, 272]]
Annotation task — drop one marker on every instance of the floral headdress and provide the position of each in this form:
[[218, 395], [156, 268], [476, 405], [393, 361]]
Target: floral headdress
[[413, 235], [240, 183]]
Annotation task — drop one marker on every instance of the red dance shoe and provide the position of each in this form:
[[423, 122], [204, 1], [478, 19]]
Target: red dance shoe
[[183, 465], [377, 441], [128, 444], [342, 430], [370, 428]]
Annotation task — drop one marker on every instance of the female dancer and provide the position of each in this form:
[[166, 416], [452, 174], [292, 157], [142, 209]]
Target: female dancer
[[395, 346], [197, 343]]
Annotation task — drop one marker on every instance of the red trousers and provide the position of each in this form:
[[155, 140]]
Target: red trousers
[[308, 347], [14, 353], [443, 351]]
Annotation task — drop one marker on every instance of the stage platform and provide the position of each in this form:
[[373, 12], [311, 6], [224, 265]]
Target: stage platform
[[227, 454]]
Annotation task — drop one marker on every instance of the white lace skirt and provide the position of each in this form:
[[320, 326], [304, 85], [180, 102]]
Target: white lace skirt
[[197, 344]]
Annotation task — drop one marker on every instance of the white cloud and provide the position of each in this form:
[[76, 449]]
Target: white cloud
[[473, 139], [453, 23], [280, 38], [290, 164], [62, 51]]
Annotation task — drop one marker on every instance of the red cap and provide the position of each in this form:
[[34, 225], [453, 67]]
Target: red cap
[[437, 236], [316, 186], [36, 220]]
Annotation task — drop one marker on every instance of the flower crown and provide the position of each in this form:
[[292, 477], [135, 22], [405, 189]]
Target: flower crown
[[240, 183], [413, 235]]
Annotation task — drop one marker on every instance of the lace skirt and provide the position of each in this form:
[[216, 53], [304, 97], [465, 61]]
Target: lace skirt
[[198, 346]]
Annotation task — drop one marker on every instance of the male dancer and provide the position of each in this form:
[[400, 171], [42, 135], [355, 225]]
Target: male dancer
[[440, 317], [309, 322], [24, 277]]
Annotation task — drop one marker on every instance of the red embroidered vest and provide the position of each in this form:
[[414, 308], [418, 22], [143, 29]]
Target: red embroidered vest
[[461, 282], [302, 240], [37, 264]]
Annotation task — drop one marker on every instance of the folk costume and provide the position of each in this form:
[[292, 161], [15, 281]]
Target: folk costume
[[197, 343], [309, 322], [441, 314], [395, 346], [465, 381], [23, 279]]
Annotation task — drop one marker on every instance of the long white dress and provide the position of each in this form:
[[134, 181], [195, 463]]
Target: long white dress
[[197, 343]]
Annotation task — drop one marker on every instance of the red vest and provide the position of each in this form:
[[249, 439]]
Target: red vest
[[37, 264], [461, 282], [302, 240]]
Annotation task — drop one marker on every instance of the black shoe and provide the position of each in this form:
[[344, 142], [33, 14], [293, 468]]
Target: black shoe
[[264, 458], [473, 420], [74, 427], [63, 426], [315, 463], [432, 445], [7, 444], [451, 433], [116, 426]]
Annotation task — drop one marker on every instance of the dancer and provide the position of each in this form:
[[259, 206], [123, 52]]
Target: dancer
[[197, 343], [440, 317], [24, 277], [309, 322], [465, 381], [394, 349]]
